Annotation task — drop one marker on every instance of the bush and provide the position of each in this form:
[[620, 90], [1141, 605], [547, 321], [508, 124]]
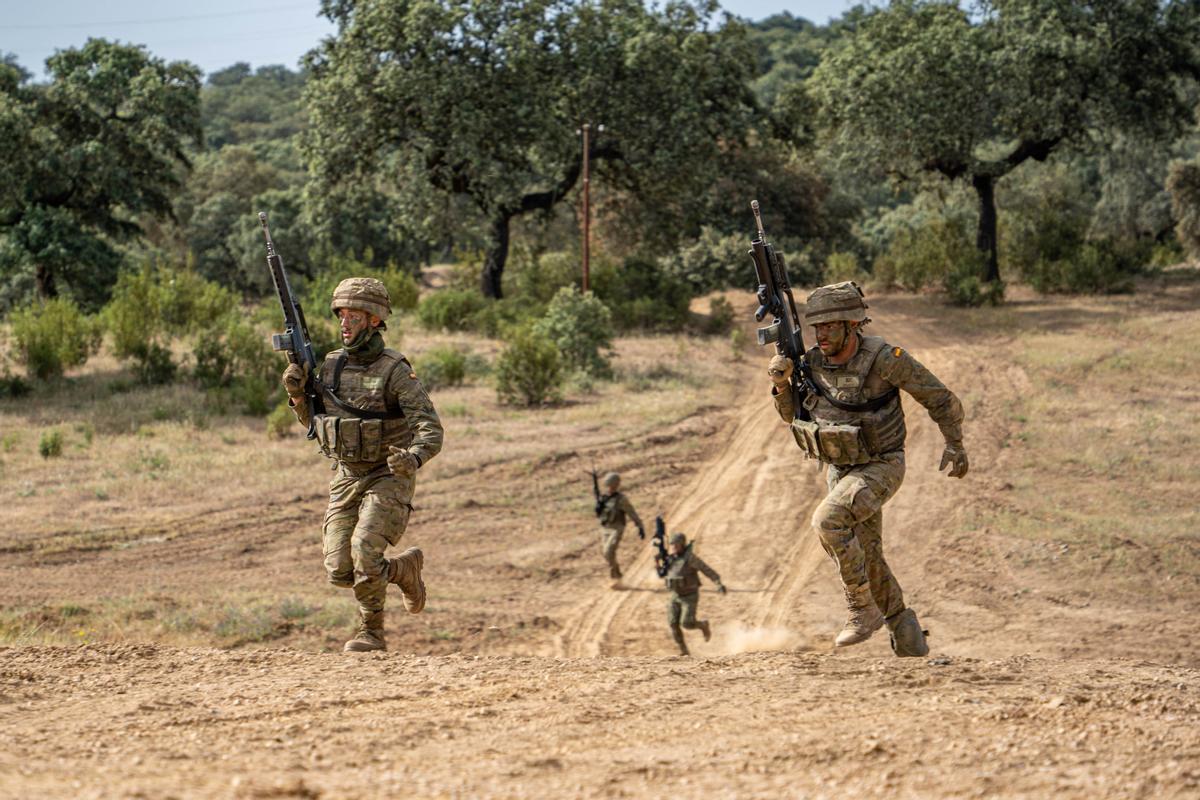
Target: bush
[[843, 267], [1098, 267], [641, 295], [713, 261], [529, 371], [13, 385], [536, 281], [929, 253], [281, 421], [720, 317], [53, 336], [154, 305], [442, 367], [451, 309], [153, 365], [965, 286], [580, 326], [50, 444]]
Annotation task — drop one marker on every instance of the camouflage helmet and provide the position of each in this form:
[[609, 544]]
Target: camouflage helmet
[[611, 480], [835, 303], [364, 294], [677, 538]]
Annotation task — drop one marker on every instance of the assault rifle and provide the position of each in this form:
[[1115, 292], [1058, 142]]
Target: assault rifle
[[294, 340], [596, 491], [662, 559], [775, 298]]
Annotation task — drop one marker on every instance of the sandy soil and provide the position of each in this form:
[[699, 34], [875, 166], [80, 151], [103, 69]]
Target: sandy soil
[[566, 686]]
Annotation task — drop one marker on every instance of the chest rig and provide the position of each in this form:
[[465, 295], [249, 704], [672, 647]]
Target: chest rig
[[856, 414], [362, 418]]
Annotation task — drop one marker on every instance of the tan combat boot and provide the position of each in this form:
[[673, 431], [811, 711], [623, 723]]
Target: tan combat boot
[[908, 638], [705, 629], [677, 635], [369, 635], [405, 572], [862, 619]]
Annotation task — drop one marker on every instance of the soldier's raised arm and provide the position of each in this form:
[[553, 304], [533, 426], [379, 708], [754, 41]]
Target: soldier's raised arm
[[418, 409], [898, 367]]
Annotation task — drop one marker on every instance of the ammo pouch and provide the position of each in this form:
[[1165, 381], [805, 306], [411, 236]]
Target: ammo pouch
[[675, 583], [350, 438], [834, 444]]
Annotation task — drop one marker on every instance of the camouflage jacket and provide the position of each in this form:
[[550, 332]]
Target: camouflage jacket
[[682, 575]]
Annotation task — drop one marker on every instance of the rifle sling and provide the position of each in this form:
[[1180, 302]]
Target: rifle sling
[[871, 405]]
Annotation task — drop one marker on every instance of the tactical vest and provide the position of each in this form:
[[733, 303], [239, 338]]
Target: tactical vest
[[856, 414], [612, 515], [682, 576], [360, 421]]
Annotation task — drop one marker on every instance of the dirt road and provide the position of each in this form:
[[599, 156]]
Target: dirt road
[[1015, 700]]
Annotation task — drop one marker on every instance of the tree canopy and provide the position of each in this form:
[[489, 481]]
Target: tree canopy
[[481, 100], [102, 143], [971, 93]]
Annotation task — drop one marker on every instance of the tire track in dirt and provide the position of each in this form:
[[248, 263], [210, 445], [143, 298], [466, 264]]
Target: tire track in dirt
[[749, 509]]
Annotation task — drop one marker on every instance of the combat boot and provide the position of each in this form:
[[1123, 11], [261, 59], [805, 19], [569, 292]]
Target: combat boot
[[908, 640], [705, 629], [369, 635], [677, 635], [614, 572], [405, 572], [863, 618]]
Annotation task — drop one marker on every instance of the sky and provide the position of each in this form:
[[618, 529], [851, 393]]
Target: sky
[[218, 33]]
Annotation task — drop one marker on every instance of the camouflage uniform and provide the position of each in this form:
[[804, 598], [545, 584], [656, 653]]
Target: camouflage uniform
[[614, 509], [864, 448], [683, 581], [374, 408]]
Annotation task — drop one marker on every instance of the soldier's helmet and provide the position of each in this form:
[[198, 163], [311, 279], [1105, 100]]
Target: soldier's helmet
[[836, 302], [677, 538], [364, 294], [611, 481]]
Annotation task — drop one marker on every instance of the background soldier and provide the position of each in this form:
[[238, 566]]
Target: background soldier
[[380, 427], [858, 429], [683, 581], [614, 507]]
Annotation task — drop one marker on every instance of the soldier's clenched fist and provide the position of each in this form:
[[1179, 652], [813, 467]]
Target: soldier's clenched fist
[[401, 462], [955, 457], [294, 378], [780, 370]]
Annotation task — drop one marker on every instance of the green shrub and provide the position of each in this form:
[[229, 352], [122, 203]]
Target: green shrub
[[712, 261], [720, 317], [641, 295], [1098, 267], [154, 305], [13, 385], [154, 366], [451, 309], [580, 326], [53, 336], [737, 344], [965, 286], [537, 280], [529, 371], [1183, 183], [843, 266], [50, 444], [281, 421], [929, 253], [442, 367]]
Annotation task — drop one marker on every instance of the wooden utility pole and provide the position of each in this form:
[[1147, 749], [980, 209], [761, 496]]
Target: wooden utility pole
[[587, 198]]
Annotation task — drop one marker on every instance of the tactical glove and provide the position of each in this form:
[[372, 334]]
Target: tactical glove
[[954, 456], [294, 378], [780, 370], [721, 588], [402, 463]]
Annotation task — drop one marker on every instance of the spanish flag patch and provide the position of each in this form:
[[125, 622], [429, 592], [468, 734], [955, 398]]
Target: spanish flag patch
[[897, 352]]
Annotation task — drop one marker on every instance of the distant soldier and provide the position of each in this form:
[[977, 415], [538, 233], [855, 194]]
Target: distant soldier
[[858, 429], [380, 427], [612, 508], [681, 572]]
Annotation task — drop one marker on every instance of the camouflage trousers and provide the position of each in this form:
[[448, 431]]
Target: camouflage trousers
[[849, 522], [610, 539], [681, 613], [366, 514]]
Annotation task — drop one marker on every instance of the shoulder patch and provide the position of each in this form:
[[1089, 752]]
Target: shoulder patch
[[897, 352]]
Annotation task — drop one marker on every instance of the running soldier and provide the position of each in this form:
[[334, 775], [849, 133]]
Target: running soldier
[[613, 508], [681, 573]]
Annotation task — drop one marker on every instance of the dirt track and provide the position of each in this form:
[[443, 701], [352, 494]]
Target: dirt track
[[601, 709]]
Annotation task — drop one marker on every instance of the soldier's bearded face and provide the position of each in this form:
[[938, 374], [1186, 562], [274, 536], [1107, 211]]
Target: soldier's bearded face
[[832, 337], [354, 322]]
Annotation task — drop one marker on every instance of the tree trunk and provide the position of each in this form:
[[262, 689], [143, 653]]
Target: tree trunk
[[985, 240], [45, 282], [496, 256]]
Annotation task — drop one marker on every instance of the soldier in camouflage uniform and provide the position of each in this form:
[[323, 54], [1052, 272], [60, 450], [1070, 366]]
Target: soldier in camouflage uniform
[[683, 581], [614, 508], [858, 429], [380, 428]]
